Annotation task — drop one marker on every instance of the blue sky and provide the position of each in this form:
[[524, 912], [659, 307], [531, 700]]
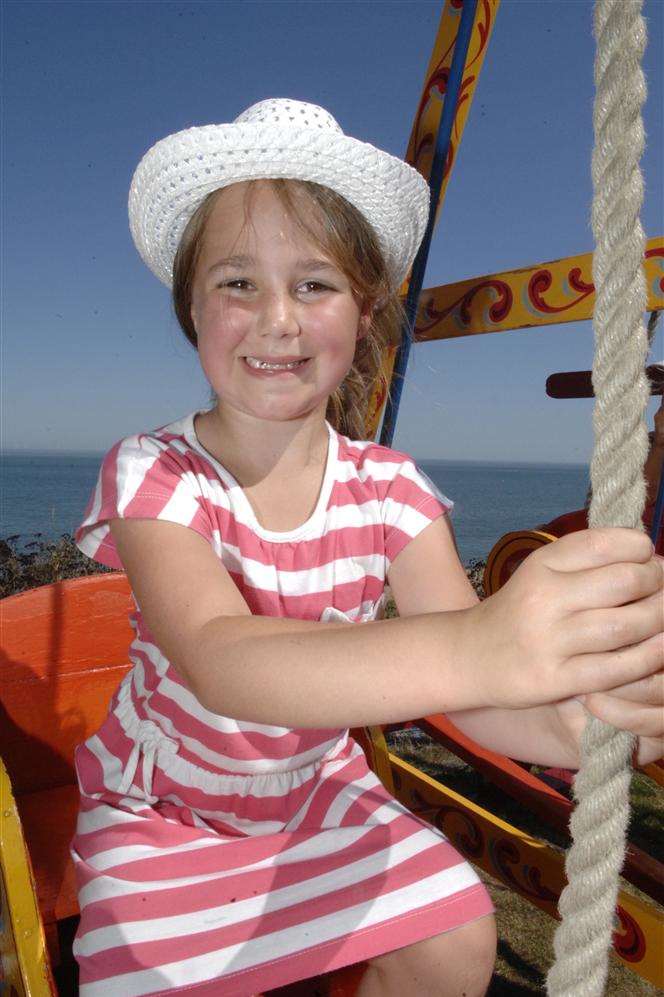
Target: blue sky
[[91, 350]]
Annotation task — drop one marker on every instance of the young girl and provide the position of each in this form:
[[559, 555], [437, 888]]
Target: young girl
[[231, 836]]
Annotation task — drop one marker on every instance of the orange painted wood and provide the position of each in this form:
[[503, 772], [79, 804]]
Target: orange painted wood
[[63, 652], [572, 522], [49, 821], [655, 771], [73, 625]]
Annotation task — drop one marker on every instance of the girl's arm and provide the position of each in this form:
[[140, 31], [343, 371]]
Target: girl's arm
[[427, 576], [280, 671], [296, 673]]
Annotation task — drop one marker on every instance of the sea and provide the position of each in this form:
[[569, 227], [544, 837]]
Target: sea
[[44, 496]]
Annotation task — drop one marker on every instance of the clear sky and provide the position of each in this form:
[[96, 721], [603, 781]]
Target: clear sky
[[91, 351]]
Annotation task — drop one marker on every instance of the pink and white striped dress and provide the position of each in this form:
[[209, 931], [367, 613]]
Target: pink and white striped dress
[[221, 857]]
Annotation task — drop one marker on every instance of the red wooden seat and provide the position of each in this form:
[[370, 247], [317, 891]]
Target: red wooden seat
[[64, 652], [49, 820]]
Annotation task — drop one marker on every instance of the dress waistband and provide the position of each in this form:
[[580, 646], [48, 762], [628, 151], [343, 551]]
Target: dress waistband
[[148, 739], [155, 745]]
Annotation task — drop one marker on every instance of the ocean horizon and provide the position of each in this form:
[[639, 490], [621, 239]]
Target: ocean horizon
[[99, 454], [44, 494]]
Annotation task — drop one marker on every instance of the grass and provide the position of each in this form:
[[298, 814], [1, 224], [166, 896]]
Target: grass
[[525, 948]]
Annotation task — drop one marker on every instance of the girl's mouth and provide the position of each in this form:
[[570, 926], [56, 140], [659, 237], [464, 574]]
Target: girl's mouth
[[265, 367]]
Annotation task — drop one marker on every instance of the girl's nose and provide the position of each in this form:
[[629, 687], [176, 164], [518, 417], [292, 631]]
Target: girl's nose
[[279, 315]]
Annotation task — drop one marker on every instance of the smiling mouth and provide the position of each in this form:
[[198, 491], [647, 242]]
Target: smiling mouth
[[267, 365]]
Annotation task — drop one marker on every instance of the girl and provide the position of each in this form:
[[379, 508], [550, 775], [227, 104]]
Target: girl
[[231, 837]]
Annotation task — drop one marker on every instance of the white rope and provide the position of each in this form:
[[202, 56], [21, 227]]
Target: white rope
[[601, 788]]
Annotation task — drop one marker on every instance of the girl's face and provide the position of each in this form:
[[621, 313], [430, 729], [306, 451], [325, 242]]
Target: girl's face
[[263, 290]]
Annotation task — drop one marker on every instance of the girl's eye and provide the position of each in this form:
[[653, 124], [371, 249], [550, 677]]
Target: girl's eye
[[313, 285], [239, 283]]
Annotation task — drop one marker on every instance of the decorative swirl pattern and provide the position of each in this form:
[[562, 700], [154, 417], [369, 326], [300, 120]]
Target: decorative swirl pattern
[[542, 280], [526, 879], [417, 804], [435, 89], [427, 118], [470, 840], [430, 316], [656, 253], [378, 394], [549, 293], [628, 940]]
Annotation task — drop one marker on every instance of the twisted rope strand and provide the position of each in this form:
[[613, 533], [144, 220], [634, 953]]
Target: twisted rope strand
[[601, 788]]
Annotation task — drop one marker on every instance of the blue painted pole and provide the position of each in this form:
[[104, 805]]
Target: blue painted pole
[[435, 181]]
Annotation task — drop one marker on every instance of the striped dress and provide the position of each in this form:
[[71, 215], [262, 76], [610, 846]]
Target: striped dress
[[216, 856]]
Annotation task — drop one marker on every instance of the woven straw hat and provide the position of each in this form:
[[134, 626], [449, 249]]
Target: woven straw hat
[[274, 138]]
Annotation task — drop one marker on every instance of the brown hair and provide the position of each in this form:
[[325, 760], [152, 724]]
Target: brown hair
[[340, 230]]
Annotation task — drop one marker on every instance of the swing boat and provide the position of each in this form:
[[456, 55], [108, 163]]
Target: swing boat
[[64, 646]]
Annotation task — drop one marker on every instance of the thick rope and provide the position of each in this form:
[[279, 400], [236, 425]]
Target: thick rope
[[601, 788]]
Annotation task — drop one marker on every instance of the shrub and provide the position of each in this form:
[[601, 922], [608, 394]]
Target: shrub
[[40, 562]]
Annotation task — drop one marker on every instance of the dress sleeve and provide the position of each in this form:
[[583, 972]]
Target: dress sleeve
[[141, 477], [411, 503]]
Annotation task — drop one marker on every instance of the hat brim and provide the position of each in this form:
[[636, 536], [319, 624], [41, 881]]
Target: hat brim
[[177, 173]]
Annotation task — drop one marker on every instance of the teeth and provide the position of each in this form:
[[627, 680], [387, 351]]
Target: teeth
[[265, 365]]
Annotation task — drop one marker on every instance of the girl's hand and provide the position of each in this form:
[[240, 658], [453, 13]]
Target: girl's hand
[[582, 615], [637, 707]]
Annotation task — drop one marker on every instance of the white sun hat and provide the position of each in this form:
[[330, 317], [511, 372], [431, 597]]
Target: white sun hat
[[271, 139]]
